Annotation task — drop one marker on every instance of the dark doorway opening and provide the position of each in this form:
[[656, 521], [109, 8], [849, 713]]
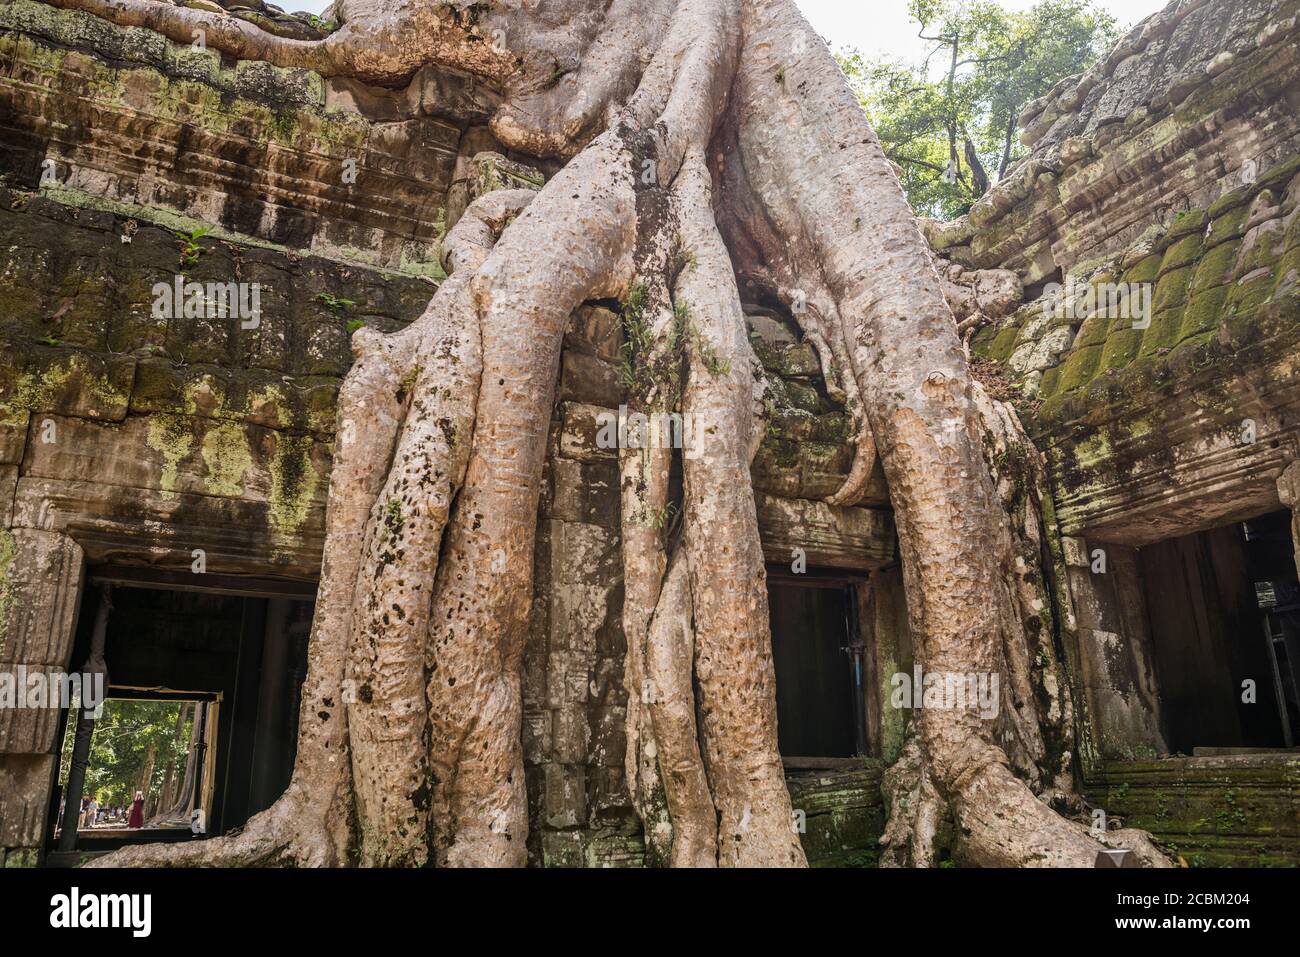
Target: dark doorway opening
[[819, 669], [1270, 550], [1224, 619], [236, 653]]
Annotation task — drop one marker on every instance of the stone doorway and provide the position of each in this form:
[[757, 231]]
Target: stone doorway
[[1224, 610], [233, 649]]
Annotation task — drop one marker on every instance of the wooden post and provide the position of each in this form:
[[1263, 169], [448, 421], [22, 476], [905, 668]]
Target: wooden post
[[94, 666]]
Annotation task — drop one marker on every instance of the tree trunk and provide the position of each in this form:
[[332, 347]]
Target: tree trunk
[[178, 797], [145, 782], [426, 585]]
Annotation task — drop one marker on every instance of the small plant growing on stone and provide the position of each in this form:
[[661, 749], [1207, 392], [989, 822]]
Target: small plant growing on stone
[[772, 431], [682, 259], [555, 77], [336, 303], [716, 365], [190, 248], [354, 325], [407, 385], [637, 336]]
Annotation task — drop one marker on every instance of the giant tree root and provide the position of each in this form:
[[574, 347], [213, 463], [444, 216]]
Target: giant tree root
[[708, 141]]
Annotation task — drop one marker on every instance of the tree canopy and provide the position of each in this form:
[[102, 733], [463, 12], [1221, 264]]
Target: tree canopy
[[125, 733], [949, 120]]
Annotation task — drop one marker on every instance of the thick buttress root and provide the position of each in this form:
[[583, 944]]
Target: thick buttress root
[[707, 140], [312, 823], [733, 645], [829, 190]]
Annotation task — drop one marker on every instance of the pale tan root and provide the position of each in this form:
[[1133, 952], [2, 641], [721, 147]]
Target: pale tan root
[[831, 186], [645, 512], [386, 656], [733, 647], [915, 811], [643, 481], [670, 653], [380, 41], [559, 253]]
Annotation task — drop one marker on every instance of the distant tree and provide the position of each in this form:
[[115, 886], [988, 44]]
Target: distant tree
[[949, 121], [134, 744]]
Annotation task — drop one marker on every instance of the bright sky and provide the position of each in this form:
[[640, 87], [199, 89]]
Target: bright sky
[[873, 26], [883, 27]]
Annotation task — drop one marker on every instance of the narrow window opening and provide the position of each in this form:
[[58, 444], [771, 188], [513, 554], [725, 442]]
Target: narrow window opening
[[818, 660]]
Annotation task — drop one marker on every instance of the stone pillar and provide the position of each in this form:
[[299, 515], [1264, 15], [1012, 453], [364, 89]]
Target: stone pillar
[[884, 616], [1288, 490], [1114, 660], [41, 576], [575, 705]]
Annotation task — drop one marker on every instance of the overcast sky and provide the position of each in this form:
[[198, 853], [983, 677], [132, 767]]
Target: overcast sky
[[873, 26]]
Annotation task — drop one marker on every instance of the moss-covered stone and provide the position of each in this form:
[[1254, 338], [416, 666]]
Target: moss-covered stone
[[1182, 253], [1171, 290], [38, 378], [1004, 343], [1213, 812], [1188, 224], [7, 550], [136, 45], [842, 815], [1077, 371], [1229, 225], [1146, 270], [1203, 312], [1215, 267], [1093, 331], [1122, 345]]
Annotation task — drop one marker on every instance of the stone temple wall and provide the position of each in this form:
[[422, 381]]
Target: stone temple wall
[[1170, 171]]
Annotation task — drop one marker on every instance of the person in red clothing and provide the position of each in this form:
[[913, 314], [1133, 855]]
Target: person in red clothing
[[137, 811]]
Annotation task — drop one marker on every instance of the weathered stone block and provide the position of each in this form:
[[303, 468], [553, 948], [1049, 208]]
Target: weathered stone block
[[565, 803], [29, 723], [608, 737], [832, 537], [40, 590], [562, 849], [24, 794], [580, 430], [597, 331], [586, 492], [571, 735], [585, 378]]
